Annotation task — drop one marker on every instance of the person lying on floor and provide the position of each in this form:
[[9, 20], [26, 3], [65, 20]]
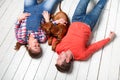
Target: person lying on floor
[[28, 27], [74, 45]]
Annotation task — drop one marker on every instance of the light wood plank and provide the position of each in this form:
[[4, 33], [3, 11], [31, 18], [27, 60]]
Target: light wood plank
[[6, 61], [105, 66], [44, 65], [8, 71], [1, 3], [6, 44], [23, 67], [34, 65], [52, 69], [4, 6], [28, 67], [74, 72], [115, 59], [96, 58], [7, 24]]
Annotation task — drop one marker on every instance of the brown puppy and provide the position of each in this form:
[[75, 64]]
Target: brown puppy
[[57, 31]]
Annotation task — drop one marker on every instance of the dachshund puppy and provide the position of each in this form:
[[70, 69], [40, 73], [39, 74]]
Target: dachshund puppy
[[57, 28]]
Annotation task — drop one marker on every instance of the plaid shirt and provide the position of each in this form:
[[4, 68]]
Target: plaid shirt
[[22, 34]]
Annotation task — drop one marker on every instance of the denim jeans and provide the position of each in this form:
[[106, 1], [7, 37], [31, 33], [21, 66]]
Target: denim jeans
[[29, 3], [35, 9], [90, 18]]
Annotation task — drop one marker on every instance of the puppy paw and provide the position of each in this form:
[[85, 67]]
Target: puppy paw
[[49, 43], [53, 48]]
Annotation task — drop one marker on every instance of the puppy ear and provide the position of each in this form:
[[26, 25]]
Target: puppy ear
[[42, 25], [52, 15]]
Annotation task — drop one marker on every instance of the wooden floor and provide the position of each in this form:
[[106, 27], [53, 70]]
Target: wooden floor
[[103, 65]]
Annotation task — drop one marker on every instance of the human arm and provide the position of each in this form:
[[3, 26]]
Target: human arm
[[46, 16], [20, 28], [97, 46], [23, 16]]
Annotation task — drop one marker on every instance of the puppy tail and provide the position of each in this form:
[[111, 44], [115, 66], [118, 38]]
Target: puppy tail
[[60, 6]]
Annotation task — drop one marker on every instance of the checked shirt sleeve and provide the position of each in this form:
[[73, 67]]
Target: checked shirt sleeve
[[42, 37], [20, 31]]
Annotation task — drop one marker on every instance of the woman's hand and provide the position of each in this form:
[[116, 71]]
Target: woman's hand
[[23, 16], [46, 16]]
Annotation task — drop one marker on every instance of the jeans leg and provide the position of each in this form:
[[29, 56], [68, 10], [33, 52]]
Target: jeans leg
[[80, 10], [48, 5], [34, 20], [29, 3], [93, 16]]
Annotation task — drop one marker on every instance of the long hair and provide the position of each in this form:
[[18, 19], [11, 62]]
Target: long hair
[[31, 53]]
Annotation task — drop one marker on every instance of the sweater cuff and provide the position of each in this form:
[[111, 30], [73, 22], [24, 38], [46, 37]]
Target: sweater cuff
[[108, 39]]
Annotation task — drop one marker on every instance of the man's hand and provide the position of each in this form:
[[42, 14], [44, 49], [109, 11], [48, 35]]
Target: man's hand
[[46, 16], [111, 35], [23, 16], [60, 21]]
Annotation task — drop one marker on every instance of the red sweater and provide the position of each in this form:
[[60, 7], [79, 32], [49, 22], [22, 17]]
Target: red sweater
[[76, 40]]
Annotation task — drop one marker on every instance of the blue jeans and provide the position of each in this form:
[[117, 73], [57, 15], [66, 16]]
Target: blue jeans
[[90, 18], [29, 3], [35, 9]]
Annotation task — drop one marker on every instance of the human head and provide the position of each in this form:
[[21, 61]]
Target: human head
[[63, 63], [33, 53], [65, 67], [33, 47]]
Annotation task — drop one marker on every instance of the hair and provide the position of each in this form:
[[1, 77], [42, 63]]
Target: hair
[[65, 67], [18, 45], [31, 53]]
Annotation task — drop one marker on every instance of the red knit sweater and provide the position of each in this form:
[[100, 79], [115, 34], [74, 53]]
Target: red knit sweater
[[76, 40]]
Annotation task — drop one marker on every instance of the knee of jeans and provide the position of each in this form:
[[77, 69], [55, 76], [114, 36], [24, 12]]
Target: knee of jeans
[[76, 18], [50, 4], [29, 3], [88, 21], [101, 4], [73, 19]]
